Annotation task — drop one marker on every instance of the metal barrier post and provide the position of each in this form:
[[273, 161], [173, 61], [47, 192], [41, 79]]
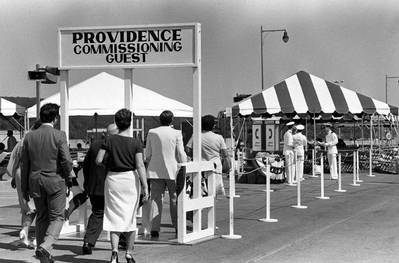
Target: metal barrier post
[[298, 205], [339, 176], [313, 163], [354, 170], [267, 218], [322, 180], [231, 196], [357, 168]]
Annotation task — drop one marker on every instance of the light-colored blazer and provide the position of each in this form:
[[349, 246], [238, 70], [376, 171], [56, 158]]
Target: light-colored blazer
[[331, 142], [164, 150], [288, 142], [300, 143]]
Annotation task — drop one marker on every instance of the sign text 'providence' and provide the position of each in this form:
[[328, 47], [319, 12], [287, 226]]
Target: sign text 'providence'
[[127, 46]]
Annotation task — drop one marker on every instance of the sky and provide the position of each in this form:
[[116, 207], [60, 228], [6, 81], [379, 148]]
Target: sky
[[356, 41]]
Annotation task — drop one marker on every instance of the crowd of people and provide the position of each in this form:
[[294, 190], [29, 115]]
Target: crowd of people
[[119, 176], [295, 146]]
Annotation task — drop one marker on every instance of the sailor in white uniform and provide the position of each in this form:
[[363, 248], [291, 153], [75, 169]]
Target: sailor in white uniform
[[300, 144], [288, 152]]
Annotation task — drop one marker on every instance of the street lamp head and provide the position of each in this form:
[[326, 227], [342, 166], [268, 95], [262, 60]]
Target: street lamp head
[[285, 37]]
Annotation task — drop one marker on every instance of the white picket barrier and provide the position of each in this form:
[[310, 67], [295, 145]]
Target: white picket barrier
[[196, 204]]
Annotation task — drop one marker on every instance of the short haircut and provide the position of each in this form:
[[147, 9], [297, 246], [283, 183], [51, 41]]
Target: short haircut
[[166, 118], [10, 133], [2, 146], [208, 122], [123, 118], [48, 112]]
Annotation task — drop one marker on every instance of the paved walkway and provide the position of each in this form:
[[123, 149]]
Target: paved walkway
[[361, 225]]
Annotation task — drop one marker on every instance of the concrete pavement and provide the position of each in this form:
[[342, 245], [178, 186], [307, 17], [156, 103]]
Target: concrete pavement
[[361, 225]]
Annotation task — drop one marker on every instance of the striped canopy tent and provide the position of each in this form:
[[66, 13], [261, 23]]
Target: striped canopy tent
[[306, 94]]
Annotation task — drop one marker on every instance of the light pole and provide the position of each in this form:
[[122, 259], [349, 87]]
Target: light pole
[[46, 75], [386, 86], [285, 38]]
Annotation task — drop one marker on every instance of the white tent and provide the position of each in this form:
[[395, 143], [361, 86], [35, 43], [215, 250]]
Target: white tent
[[104, 94], [8, 108]]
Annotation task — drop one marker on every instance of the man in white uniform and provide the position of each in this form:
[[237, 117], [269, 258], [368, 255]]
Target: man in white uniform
[[288, 152], [300, 144], [330, 144]]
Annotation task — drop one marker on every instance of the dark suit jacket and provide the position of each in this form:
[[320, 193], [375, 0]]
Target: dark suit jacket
[[45, 161], [94, 174]]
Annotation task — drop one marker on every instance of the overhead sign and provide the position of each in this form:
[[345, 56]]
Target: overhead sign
[[128, 46]]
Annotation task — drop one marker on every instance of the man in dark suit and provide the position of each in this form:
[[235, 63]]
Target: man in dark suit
[[94, 178], [45, 171]]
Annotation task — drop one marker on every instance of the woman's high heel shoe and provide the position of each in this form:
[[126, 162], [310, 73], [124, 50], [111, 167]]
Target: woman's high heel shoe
[[114, 257], [23, 236], [129, 258]]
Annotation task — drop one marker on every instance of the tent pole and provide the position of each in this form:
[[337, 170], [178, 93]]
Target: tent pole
[[314, 127], [362, 130]]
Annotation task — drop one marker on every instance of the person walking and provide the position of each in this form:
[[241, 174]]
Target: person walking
[[213, 149], [28, 210], [163, 153], [12, 141], [122, 184], [331, 145], [288, 151], [300, 143], [94, 178], [45, 170]]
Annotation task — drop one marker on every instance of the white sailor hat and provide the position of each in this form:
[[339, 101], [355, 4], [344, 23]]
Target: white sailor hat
[[291, 123], [300, 127]]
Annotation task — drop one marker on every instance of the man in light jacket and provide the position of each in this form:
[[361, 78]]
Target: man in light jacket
[[164, 150]]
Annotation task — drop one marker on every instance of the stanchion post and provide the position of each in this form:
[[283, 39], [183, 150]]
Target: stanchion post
[[340, 176], [231, 234], [298, 187], [313, 163], [354, 170], [267, 218], [322, 180], [357, 168]]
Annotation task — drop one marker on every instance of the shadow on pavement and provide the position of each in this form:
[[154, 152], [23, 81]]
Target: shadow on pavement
[[77, 250], [74, 259], [13, 261]]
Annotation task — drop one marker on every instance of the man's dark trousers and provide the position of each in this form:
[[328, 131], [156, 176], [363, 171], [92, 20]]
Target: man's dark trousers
[[50, 215], [95, 224]]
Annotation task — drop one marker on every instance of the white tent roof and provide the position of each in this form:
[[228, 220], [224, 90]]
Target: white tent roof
[[8, 108], [104, 94]]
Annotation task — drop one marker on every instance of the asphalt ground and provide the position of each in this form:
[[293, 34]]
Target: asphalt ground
[[361, 225]]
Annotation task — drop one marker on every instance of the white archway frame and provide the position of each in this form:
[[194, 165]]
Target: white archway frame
[[190, 34]]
